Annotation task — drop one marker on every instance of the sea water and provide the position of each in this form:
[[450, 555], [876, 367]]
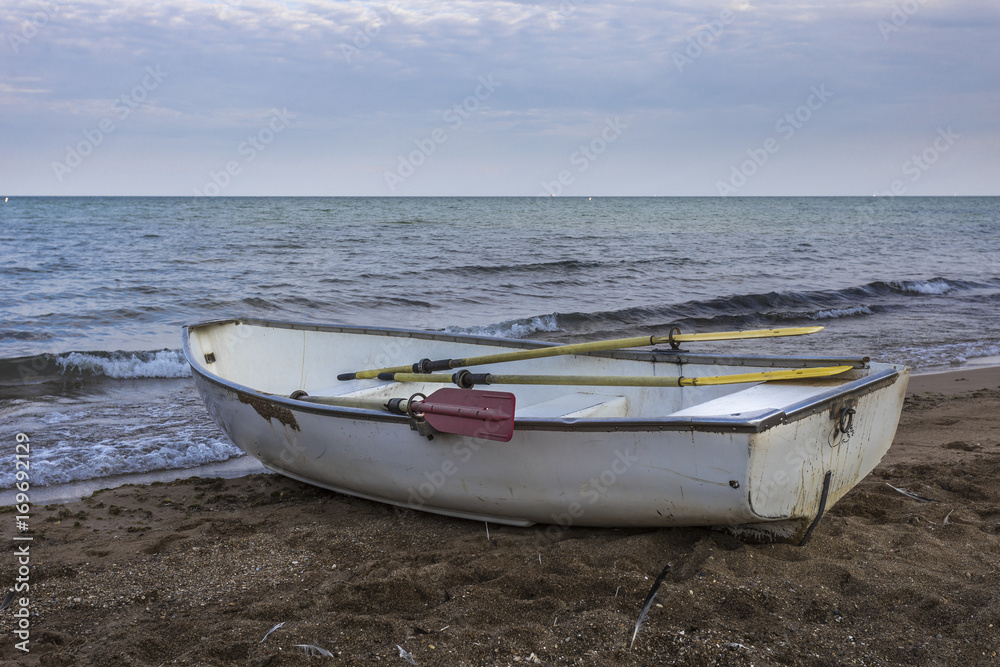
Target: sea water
[[95, 290]]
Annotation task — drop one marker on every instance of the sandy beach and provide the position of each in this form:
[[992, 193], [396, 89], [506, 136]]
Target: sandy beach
[[198, 572]]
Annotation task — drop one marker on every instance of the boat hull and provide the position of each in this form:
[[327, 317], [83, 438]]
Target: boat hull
[[772, 469]]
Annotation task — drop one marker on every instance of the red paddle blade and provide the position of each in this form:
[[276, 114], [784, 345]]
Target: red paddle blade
[[479, 414]]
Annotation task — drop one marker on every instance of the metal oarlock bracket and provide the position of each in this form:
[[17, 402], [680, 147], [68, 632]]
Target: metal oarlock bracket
[[675, 345], [423, 428], [674, 331], [417, 421], [409, 406]]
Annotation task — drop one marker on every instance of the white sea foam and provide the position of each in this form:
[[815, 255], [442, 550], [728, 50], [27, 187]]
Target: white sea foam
[[128, 365], [65, 461], [154, 425], [935, 286], [954, 354], [512, 328], [834, 313], [61, 417]]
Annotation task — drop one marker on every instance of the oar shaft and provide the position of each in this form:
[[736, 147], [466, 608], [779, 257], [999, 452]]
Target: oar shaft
[[428, 366], [467, 380], [470, 379], [397, 406]]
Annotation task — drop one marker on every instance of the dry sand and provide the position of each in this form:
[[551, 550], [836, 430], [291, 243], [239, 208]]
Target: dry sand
[[196, 572]]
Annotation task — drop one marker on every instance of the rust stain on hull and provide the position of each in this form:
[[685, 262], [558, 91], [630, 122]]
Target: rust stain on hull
[[270, 411]]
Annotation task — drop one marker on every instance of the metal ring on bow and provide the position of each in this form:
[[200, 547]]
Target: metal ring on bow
[[846, 423]]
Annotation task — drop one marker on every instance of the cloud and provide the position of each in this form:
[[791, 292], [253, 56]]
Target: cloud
[[699, 83]]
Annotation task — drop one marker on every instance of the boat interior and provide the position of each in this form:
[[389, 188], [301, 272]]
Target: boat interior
[[279, 359]]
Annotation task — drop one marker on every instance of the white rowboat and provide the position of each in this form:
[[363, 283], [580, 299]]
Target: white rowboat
[[764, 457]]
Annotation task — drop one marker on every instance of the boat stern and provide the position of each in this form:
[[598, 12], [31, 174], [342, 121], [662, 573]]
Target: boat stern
[[798, 469]]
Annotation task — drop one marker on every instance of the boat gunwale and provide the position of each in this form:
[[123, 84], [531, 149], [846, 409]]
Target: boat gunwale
[[654, 354], [756, 422]]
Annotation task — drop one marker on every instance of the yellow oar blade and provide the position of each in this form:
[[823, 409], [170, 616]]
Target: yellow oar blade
[[739, 335], [427, 366], [767, 376], [468, 380]]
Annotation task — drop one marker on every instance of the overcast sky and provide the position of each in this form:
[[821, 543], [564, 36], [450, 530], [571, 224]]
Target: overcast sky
[[500, 97]]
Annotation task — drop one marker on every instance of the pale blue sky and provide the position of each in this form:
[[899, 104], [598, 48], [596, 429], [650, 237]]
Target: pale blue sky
[[443, 97]]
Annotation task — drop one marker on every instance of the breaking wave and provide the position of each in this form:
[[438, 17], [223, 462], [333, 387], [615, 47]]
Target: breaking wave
[[735, 311], [519, 328], [84, 365], [66, 461], [121, 365]]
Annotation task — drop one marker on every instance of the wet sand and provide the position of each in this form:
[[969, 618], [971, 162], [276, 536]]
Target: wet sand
[[198, 571]]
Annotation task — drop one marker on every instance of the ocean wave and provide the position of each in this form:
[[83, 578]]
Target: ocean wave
[[64, 461], [520, 328], [52, 418], [81, 365], [949, 354], [735, 311], [563, 267], [259, 303], [541, 268], [13, 334], [835, 313], [932, 286], [123, 365]]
